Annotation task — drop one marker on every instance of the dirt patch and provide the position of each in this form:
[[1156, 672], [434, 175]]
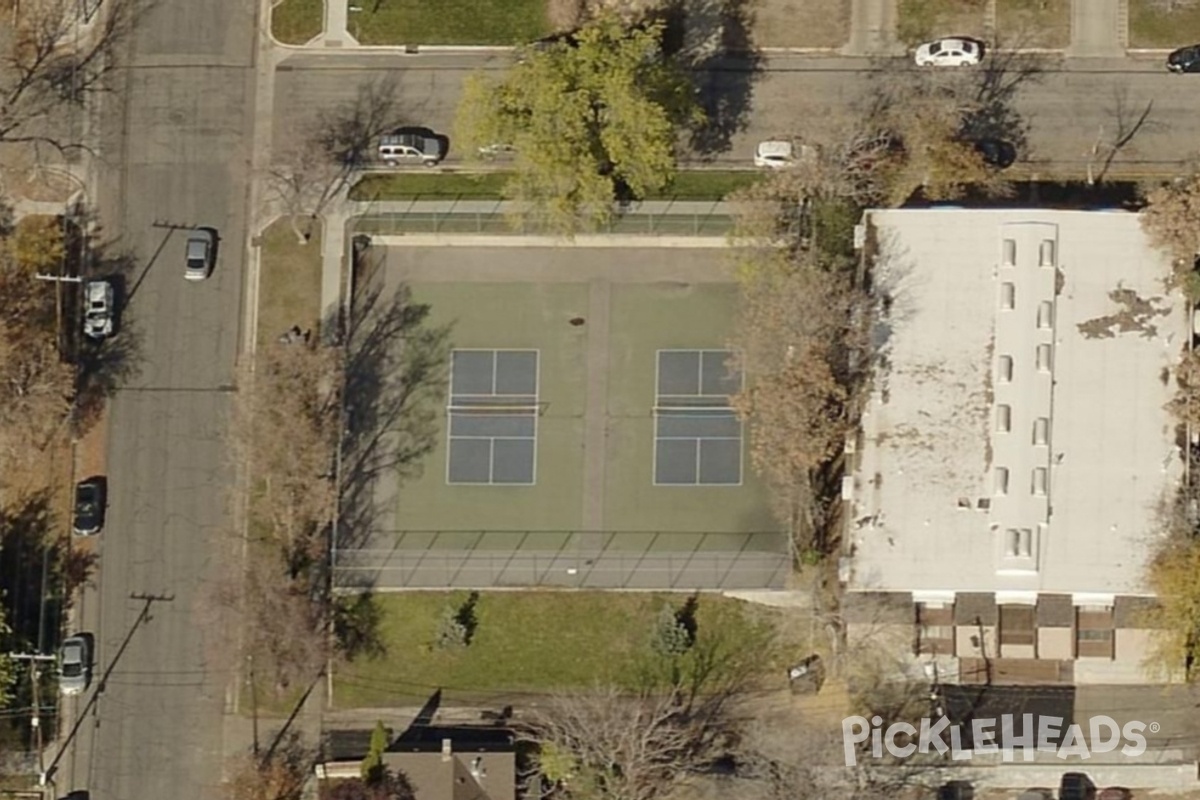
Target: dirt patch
[[1136, 316], [48, 468], [27, 174], [91, 452], [801, 23]]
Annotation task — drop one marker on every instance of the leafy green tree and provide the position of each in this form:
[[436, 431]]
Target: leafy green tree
[[671, 637], [1174, 575], [372, 766], [592, 119]]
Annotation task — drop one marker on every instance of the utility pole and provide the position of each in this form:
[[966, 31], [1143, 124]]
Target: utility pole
[[59, 280], [142, 618], [36, 722]]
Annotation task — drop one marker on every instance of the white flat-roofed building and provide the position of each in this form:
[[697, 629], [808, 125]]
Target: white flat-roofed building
[[1016, 449]]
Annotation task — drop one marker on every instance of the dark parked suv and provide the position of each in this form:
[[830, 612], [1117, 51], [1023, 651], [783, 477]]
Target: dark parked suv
[[88, 518], [1185, 59]]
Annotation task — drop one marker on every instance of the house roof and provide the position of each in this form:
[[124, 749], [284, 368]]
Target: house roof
[[1016, 439], [457, 776]]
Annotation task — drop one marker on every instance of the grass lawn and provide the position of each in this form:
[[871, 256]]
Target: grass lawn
[[1034, 23], [922, 20], [532, 642], [297, 21], [289, 283], [1151, 26], [499, 22], [801, 23], [688, 185]]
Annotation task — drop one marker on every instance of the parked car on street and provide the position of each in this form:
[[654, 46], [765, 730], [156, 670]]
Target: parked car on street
[[98, 313], [951, 52], [497, 150], [773, 153], [411, 145], [780, 153], [89, 506], [201, 248], [74, 665], [996, 152], [1185, 59]]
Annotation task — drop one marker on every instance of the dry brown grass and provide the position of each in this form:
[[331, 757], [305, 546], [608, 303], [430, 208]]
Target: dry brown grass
[[801, 23], [1033, 23], [922, 20], [30, 173], [564, 15]]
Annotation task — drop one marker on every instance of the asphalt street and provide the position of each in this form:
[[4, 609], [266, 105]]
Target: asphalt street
[[175, 140], [1067, 106]]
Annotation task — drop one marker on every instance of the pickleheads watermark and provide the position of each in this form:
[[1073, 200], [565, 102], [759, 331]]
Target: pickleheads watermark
[[1007, 736]]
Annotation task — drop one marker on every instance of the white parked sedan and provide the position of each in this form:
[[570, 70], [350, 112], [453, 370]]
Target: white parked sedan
[[775, 154], [949, 53], [778, 153]]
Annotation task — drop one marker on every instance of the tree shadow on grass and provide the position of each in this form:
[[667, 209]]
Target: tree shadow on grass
[[395, 383], [713, 41], [357, 621]]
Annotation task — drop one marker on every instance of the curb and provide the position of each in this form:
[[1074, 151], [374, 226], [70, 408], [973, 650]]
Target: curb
[[485, 49], [524, 240]]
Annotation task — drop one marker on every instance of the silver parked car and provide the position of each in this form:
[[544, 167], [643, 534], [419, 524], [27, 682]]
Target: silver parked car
[[98, 314], [74, 665], [411, 145], [201, 246]]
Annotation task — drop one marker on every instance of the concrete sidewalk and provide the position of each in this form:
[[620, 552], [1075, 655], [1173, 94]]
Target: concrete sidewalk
[[1099, 28], [873, 29], [334, 245], [660, 207]]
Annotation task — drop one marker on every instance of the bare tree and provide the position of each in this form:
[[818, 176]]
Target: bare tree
[[43, 66], [287, 624], [1111, 141], [386, 785], [286, 424], [925, 119], [626, 747], [321, 162], [1185, 405], [799, 327], [1171, 219], [279, 774], [35, 384]]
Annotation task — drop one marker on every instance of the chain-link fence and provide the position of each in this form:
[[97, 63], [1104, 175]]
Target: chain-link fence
[[670, 224], [633, 560]]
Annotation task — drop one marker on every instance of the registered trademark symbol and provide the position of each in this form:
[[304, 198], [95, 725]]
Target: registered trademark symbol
[[1155, 727]]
